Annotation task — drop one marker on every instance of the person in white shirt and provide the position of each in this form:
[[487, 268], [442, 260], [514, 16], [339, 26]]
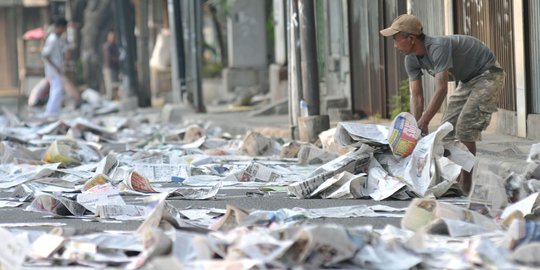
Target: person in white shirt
[[53, 54]]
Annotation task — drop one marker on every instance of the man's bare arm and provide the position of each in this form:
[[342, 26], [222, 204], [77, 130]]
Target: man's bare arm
[[441, 89], [417, 98]]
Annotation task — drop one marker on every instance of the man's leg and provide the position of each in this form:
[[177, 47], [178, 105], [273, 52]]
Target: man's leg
[[476, 115], [107, 78], [465, 178], [54, 104], [454, 107], [115, 79]]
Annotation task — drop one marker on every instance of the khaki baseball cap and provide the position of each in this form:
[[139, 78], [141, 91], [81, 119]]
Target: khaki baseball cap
[[404, 23]]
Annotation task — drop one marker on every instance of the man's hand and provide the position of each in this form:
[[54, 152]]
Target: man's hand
[[441, 88], [423, 126], [60, 72], [57, 68]]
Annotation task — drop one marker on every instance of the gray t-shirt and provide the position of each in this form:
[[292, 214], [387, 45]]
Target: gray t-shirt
[[465, 57]]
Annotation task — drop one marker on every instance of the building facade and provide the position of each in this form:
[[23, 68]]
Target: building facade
[[505, 26]]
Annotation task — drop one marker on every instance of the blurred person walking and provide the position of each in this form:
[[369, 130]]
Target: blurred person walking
[[53, 54], [111, 65]]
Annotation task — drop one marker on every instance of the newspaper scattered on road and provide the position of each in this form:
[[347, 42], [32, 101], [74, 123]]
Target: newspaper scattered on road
[[380, 184], [9, 204], [521, 209], [443, 218], [534, 154], [310, 154], [421, 172], [14, 250], [56, 205], [342, 186], [256, 144], [118, 169], [104, 194], [353, 162], [356, 133]]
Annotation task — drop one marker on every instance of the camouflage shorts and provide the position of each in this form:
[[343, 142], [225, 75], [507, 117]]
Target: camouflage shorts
[[470, 107]]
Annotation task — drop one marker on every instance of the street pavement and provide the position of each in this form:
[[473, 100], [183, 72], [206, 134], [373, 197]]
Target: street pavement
[[236, 197], [493, 148], [500, 152], [234, 123]]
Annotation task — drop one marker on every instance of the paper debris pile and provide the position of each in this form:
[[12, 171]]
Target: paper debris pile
[[432, 236], [403, 166], [117, 168]]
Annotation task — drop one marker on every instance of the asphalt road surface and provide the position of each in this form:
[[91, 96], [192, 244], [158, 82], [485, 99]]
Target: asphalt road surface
[[236, 197]]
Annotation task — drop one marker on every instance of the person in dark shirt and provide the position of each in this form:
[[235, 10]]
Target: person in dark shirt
[[111, 65]]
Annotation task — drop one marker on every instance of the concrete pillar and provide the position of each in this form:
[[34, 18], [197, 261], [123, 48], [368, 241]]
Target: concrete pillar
[[246, 33], [247, 51], [280, 32], [309, 64], [294, 75], [126, 38], [143, 53], [195, 39], [277, 77], [177, 47], [519, 57], [449, 30], [129, 103], [174, 113], [310, 127]]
